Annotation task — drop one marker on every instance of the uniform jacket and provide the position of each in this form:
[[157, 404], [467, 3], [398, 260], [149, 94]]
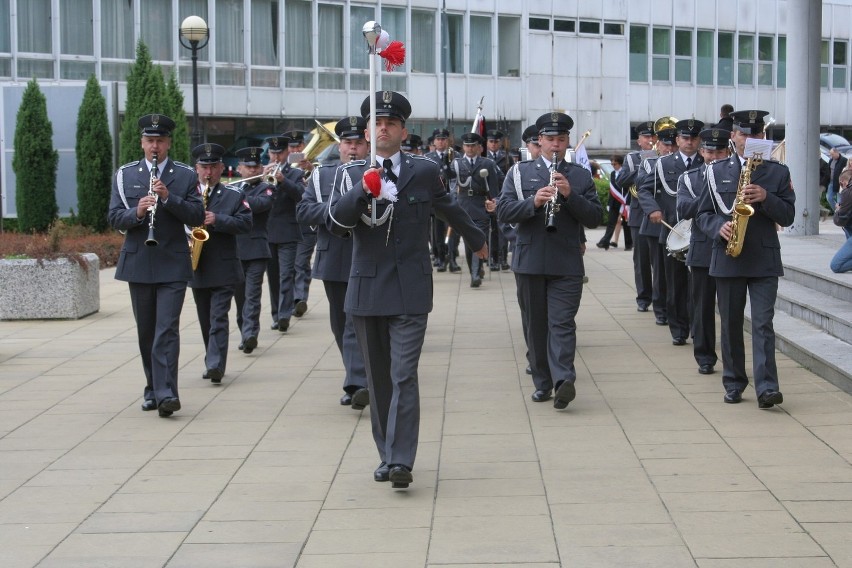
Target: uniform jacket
[[282, 226], [472, 189], [536, 250], [501, 160], [333, 254], [254, 245], [689, 188], [444, 163], [761, 254], [219, 264], [658, 191], [391, 270], [168, 261], [627, 178]]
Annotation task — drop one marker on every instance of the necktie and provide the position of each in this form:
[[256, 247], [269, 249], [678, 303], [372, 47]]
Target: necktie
[[387, 164], [688, 162]]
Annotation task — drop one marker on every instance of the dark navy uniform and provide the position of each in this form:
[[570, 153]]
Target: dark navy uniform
[[755, 271], [157, 275], [438, 234], [390, 288], [641, 255], [498, 245], [253, 252], [219, 269], [548, 265]]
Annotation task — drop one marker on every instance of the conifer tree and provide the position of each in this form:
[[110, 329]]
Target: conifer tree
[[94, 158], [34, 163], [181, 143], [145, 95]]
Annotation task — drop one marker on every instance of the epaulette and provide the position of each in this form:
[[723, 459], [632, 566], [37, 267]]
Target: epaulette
[[182, 165], [232, 187], [348, 165], [526, 161], [418, 157], [130, 165]]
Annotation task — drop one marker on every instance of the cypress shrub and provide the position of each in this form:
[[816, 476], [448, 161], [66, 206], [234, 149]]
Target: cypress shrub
[[181, 143], [145, 95], [94, 159]]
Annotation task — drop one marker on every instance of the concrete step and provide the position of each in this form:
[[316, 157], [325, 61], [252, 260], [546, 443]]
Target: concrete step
[[824, 311], [821, 280]]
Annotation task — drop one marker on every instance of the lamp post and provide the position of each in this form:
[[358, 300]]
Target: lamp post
[[194, 35]]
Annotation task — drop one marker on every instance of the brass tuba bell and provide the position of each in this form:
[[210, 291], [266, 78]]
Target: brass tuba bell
[[664, 123]]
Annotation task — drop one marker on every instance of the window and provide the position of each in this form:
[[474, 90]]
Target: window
[[564, 25], [542, 24], [725, 64], [422, 41], [298, 47], [455, 43], [34, 36], [158, 31], [611, 28], [76, 34], [823, 60], [5, 28], [330, 18], [782, 62], [638, 54], [590, 27], [661, 43], [745, 59], [765, 59], [683, 56], [508, 46], [358, 56], [229, 43], [186, 8], [838, 73], [480, 45], [704, 63]]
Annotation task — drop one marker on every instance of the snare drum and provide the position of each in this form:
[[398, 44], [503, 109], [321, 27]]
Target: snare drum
[[677, 243]]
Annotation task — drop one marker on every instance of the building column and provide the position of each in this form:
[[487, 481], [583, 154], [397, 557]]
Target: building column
[[802, 124]]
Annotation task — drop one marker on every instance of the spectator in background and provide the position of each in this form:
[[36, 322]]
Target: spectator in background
[[615, 211], [725, 120], [835, 167], [842, 261]]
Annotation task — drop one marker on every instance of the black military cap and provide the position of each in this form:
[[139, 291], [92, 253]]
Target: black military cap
[[749, 121], [645, 128], [553, 123], [472, 138], [156, 125], [715, 138], [689, 127], [250, 155], [530, 134], [277, 143], [388, 103], [667, 135], [413, 141], [208, 153], [295, 137], [440, 133], [430, 140], [494, 135], [350, 128]]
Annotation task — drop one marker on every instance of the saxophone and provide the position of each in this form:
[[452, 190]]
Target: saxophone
[[741, 211], [199, 234]]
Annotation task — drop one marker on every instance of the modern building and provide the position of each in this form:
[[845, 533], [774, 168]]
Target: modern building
[[272, 65]]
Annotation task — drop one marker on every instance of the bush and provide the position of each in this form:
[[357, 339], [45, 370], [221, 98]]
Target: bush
[[180, 150], [94, 159], [145, 95], [63, 240], [602, 186]]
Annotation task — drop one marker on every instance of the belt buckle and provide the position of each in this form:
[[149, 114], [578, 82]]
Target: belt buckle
[[470, 193]]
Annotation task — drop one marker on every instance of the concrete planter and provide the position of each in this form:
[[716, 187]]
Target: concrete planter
[[65, 288]]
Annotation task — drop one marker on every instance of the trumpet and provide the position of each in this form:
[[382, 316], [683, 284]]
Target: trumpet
[[199, 234], [152, 210], [268, 177], [551, 208]]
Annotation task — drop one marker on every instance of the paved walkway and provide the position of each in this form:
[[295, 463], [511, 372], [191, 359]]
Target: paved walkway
[[647, 467]]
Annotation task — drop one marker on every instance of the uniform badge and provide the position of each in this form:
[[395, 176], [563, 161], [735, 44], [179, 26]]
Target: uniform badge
[[155, 119], [245, 203], [554, 117], [752, 115], [353, 121], [387, 96], [690, 123], [208, 149], [715, 134]]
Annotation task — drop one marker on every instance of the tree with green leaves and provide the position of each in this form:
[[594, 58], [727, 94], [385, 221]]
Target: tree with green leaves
[[146, 93], [94, 158], [34, 163], [180, 150]]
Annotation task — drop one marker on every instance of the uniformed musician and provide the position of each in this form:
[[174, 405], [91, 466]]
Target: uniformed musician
[[390, 286], [498, 244], [412, 145], [530, 140], [756, 270], [333, 257], [158, 203], [443, 156], [540, 195], [253, 248]]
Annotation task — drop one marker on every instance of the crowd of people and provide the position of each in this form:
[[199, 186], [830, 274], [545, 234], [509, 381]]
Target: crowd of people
[[376, 229]]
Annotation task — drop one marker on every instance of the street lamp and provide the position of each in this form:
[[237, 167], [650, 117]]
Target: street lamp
[[195, 32]]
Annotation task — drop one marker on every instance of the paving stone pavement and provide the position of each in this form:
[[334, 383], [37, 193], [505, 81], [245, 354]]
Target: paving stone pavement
[[647, 467]]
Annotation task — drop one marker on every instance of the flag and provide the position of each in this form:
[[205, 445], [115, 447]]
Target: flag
[[582, 157]]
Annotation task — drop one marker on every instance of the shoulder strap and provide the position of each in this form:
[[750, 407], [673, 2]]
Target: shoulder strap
[[119, 180], [516, 177], [315, 177]]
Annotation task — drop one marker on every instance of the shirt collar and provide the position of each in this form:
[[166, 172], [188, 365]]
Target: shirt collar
[[161, 166], [396, 159]]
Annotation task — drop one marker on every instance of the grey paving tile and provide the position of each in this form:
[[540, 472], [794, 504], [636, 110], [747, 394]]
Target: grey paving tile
[[228, 555], [500, 540]]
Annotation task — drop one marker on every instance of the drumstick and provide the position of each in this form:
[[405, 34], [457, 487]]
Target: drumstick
[[672, 229]]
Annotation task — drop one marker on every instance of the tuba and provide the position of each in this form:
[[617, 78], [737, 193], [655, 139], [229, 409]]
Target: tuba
[[199, 234], [664, 123], [741, 210], [322, 137]]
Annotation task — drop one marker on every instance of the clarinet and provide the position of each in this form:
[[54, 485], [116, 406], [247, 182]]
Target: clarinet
[[551, 208], [152, 210]]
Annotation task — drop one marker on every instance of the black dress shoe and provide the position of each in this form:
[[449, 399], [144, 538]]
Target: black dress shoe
[[505, 267], [360, 399], [205, 375], [274, 326], [528, 370], [540, 395], [769, 399], [241, 346], [382, 472], [215, 376], [733, 396], [679, 341], [661, 321], [168, 406], [149, 405], [283, 324], [628, 248], [400, 476], [249, 345], [494, 267], [705, 369], [346, 399], [476, 282], [454, 266], [604, 246], [641, 308], [565, 393], [442, 267], [300, 309]]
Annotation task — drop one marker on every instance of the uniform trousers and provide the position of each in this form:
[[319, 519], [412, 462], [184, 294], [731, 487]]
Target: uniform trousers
[[391, 347], [702, 288], [677, 296], [498, 246], [212, 306], [304, 252], [282, 276], [474, 262], [344, 336], [642, 269], [248, 296], [156, 308], [438, 234], [731, 294], [550, 304], [657, 252]]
